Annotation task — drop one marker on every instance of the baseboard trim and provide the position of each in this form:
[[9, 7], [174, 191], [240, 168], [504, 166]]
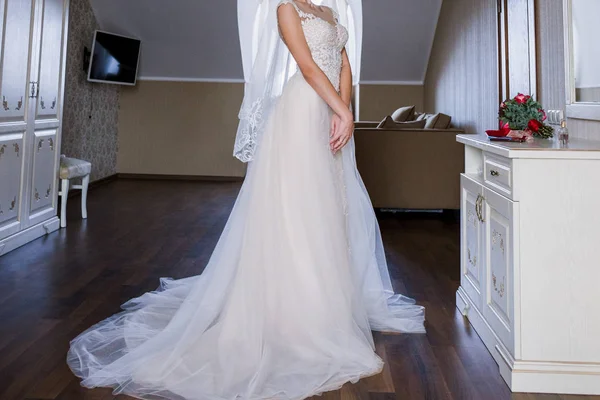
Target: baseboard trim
[[103, 181], [206, 178], [446, 214], [95, 184], [391, 83], [524, 376], [189, 79]]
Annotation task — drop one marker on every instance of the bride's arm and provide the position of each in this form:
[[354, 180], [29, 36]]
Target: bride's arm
[[339, 140], [290, 26], [346, 79]]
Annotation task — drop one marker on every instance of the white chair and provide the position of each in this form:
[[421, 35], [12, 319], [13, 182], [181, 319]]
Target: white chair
[[72, 168]]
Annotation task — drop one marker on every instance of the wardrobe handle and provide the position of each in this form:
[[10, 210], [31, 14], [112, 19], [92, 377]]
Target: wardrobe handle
[[34, 90], [494, 173]]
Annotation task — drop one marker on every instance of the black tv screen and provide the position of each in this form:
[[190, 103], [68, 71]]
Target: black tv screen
[[114, 59]]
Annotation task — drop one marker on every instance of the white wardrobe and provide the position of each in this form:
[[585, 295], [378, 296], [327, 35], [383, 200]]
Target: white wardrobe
[[33, 44]]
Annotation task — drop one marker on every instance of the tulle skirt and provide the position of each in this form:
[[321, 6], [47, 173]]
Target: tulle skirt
[[286, 304]]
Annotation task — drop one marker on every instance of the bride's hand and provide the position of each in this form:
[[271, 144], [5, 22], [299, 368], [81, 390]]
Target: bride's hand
[[342, 129]]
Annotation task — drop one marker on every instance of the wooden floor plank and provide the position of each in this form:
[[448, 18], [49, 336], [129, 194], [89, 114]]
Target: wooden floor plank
[[383, 382], [457, 379]]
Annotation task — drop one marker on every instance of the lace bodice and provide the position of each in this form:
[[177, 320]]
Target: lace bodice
[[325, 41]]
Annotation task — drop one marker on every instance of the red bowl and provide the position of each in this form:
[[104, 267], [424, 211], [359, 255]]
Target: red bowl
[[498, 133]]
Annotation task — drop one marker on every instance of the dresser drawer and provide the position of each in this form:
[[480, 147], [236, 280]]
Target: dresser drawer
[[497, 173]]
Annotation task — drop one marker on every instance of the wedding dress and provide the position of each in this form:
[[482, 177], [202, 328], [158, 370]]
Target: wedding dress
[[285, 307]]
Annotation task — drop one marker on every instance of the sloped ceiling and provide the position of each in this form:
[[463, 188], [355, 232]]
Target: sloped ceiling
[[198, 39], [397, 39]]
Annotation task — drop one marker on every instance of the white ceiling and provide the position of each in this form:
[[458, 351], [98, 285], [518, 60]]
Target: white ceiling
[[198, 39]]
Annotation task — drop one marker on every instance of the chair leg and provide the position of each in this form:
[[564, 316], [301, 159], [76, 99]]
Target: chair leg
[[85, 181], [64, 194]]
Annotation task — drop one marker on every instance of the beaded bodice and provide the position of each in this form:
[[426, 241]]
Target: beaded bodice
[[326, 40]]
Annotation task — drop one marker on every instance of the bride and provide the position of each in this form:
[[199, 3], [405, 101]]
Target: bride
[[285, 307]]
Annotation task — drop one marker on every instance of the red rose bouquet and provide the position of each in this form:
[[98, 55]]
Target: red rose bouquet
[[523, 113]]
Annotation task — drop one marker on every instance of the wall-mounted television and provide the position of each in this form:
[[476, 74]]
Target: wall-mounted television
[[114, 59]]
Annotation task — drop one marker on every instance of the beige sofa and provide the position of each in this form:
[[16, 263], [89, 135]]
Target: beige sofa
[[410, 168]]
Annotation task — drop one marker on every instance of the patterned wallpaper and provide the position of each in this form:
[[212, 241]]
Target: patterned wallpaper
[[93, 139]]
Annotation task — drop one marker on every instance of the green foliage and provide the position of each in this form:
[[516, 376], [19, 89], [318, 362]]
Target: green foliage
[[546, 132]]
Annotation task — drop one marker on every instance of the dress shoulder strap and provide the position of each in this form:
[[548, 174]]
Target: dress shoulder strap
[[301, 13]]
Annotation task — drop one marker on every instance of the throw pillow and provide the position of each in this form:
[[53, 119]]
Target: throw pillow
[[388, 123], [438, 121], [404, 114]]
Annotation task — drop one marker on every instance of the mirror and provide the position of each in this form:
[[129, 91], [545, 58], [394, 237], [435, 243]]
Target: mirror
[[582, 54]]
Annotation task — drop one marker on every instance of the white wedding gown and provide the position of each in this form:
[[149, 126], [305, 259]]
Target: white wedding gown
[[285, 307]]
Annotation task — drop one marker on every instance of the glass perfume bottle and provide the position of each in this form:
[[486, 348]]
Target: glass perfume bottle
[[562, 135]]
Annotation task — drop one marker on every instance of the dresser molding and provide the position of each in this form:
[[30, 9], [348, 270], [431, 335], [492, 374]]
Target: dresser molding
[[530, 260], [531, 376], [578, 149], [29, 234]]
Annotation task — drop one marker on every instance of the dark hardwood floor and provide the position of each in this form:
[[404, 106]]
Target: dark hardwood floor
[[139, 231]]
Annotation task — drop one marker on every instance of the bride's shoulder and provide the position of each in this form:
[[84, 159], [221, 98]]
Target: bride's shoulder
[[300, 13]]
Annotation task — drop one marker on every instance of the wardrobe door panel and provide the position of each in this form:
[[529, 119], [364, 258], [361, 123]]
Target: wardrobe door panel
[[44, 179], [50, 57], [11, 172], [16, 17]]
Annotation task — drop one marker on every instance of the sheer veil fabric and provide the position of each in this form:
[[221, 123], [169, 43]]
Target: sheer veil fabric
[[285, 306]]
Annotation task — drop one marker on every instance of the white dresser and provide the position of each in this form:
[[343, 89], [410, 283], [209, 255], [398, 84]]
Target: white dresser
[[530, 260], [32, 73]]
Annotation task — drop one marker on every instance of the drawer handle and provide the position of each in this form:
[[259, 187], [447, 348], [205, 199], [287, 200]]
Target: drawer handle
[[494, 172]]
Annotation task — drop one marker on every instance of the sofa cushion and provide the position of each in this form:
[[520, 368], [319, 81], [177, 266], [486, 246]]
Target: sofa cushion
[[438, 121], [420, 116], [410, 124], [384, 122], [404, 114], [389, 123]]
